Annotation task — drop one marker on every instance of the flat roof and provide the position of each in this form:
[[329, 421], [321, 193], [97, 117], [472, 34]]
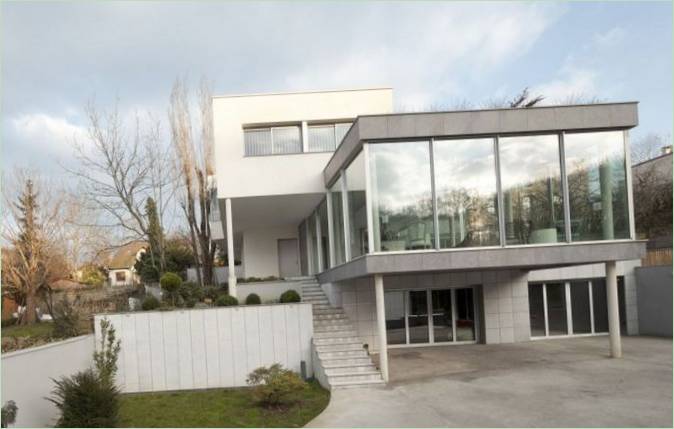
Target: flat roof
[[318, 91]]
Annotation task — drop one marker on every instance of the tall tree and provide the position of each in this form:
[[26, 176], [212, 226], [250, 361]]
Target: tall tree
[[155, 235], [194, 153], [32, 262]]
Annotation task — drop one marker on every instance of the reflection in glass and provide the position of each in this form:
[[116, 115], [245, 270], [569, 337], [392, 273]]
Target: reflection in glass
[[325, 245], [556, 297], [442, 315], [532, 191], [536, 310], [337, 221], [595, 165], [580, 307], [418, 317], [401, 196], [599, 307], [394, 303], [465, 315], [355, 184], [465, 183]]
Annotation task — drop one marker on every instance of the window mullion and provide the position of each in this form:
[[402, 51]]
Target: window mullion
[[565, 189]]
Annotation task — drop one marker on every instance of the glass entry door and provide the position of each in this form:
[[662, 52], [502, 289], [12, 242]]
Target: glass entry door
[[430, 316]]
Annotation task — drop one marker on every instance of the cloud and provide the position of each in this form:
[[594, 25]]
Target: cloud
[[572, 84]]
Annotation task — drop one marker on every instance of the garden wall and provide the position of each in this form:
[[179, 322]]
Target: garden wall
[[654, 297], [207, 348], [27, 377]]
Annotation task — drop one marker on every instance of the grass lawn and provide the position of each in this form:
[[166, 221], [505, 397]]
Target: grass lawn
[[217, 408], [37, 330]]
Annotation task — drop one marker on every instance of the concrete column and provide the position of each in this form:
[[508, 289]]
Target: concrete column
[[231, 280], [613, 311], [381, 325], [319, 244]]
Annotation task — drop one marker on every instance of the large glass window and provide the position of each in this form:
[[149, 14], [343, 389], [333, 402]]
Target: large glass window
[[272, 141], [355, 184], [338, 221], [325, 244], [396, 332], [580, 307], [556, 297], [595, 166], [532, 192], [537, 311], [465, 188], [401, 196], [326, 137]]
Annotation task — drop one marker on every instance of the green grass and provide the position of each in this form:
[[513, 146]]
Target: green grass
[[35, 330], [218, 408]]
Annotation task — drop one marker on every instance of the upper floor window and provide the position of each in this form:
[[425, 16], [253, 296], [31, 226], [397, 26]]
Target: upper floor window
[[272, 140], [326, 137]]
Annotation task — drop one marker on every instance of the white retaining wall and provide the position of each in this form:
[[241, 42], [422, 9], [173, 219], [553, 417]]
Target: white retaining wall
[[27, 377], [207, 348]]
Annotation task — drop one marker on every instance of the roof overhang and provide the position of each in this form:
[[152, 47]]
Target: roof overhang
[[478, 123], [523, 258]]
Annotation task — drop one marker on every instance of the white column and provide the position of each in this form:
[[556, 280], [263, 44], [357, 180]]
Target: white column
[[613, 312], [381, 325], [231, 280], [305, 137], [319, 244]]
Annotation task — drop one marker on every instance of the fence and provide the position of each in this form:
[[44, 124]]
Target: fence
[[657, 257], [207, 348], [27, 377]]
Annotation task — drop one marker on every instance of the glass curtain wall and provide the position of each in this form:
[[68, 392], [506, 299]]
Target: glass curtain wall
[[466, 194], [595, 166], [338, 221], [402, 208], [532, 191], [355, 184]]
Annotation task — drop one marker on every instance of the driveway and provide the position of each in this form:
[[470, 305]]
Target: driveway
[[551, 383]]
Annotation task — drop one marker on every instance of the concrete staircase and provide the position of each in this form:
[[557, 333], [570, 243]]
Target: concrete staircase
[[341, 354]]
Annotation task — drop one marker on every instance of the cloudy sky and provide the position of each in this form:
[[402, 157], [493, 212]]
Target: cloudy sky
[[56, 56]]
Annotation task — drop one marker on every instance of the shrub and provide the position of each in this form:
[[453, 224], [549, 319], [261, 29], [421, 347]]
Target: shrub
[[290, 296], [253, 299], [275, 385], [212, 292], [150, 303], [226, 301], [105, 360], [171, 282], [191, 291], [86, 400], [67, 319], [9, 411]]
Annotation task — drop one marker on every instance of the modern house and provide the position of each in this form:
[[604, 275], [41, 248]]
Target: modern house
[[121, 267], [440, 228]]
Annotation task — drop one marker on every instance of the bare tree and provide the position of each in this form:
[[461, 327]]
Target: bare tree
[[649, 146], [194, 155], [33, 260], [119, 167]]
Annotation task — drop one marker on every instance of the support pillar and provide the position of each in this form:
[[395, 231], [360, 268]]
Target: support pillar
[[613, 311], [231, 279], [381, 325]]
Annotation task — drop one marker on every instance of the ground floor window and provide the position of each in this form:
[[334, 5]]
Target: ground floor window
[[430, 316], [575, 307]]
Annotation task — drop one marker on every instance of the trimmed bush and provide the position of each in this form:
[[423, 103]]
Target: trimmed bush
[[253, 299], [212, 292], [86, 400], [275, 385], [171, 283], [290, 296], [150, 303], [226, 301], [67, 319]]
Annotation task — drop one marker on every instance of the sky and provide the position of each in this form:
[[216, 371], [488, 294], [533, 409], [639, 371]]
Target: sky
[[57, 56]]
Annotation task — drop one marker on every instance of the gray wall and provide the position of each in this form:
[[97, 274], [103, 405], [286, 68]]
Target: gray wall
[[654, 297], [27, 374]]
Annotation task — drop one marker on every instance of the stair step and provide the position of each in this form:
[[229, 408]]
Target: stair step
[[328, 317], [350, 339], [343, 354], [339, 347], [342, 327], [361, 376], [335, 334], [327, 311], [350, 370], [339, 362], [354, 384]]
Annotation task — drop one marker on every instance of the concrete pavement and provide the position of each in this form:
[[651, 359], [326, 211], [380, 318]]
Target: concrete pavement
[[549, 383]]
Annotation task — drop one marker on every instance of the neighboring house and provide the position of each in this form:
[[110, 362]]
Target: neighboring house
[[484, 226], [121, 268]]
